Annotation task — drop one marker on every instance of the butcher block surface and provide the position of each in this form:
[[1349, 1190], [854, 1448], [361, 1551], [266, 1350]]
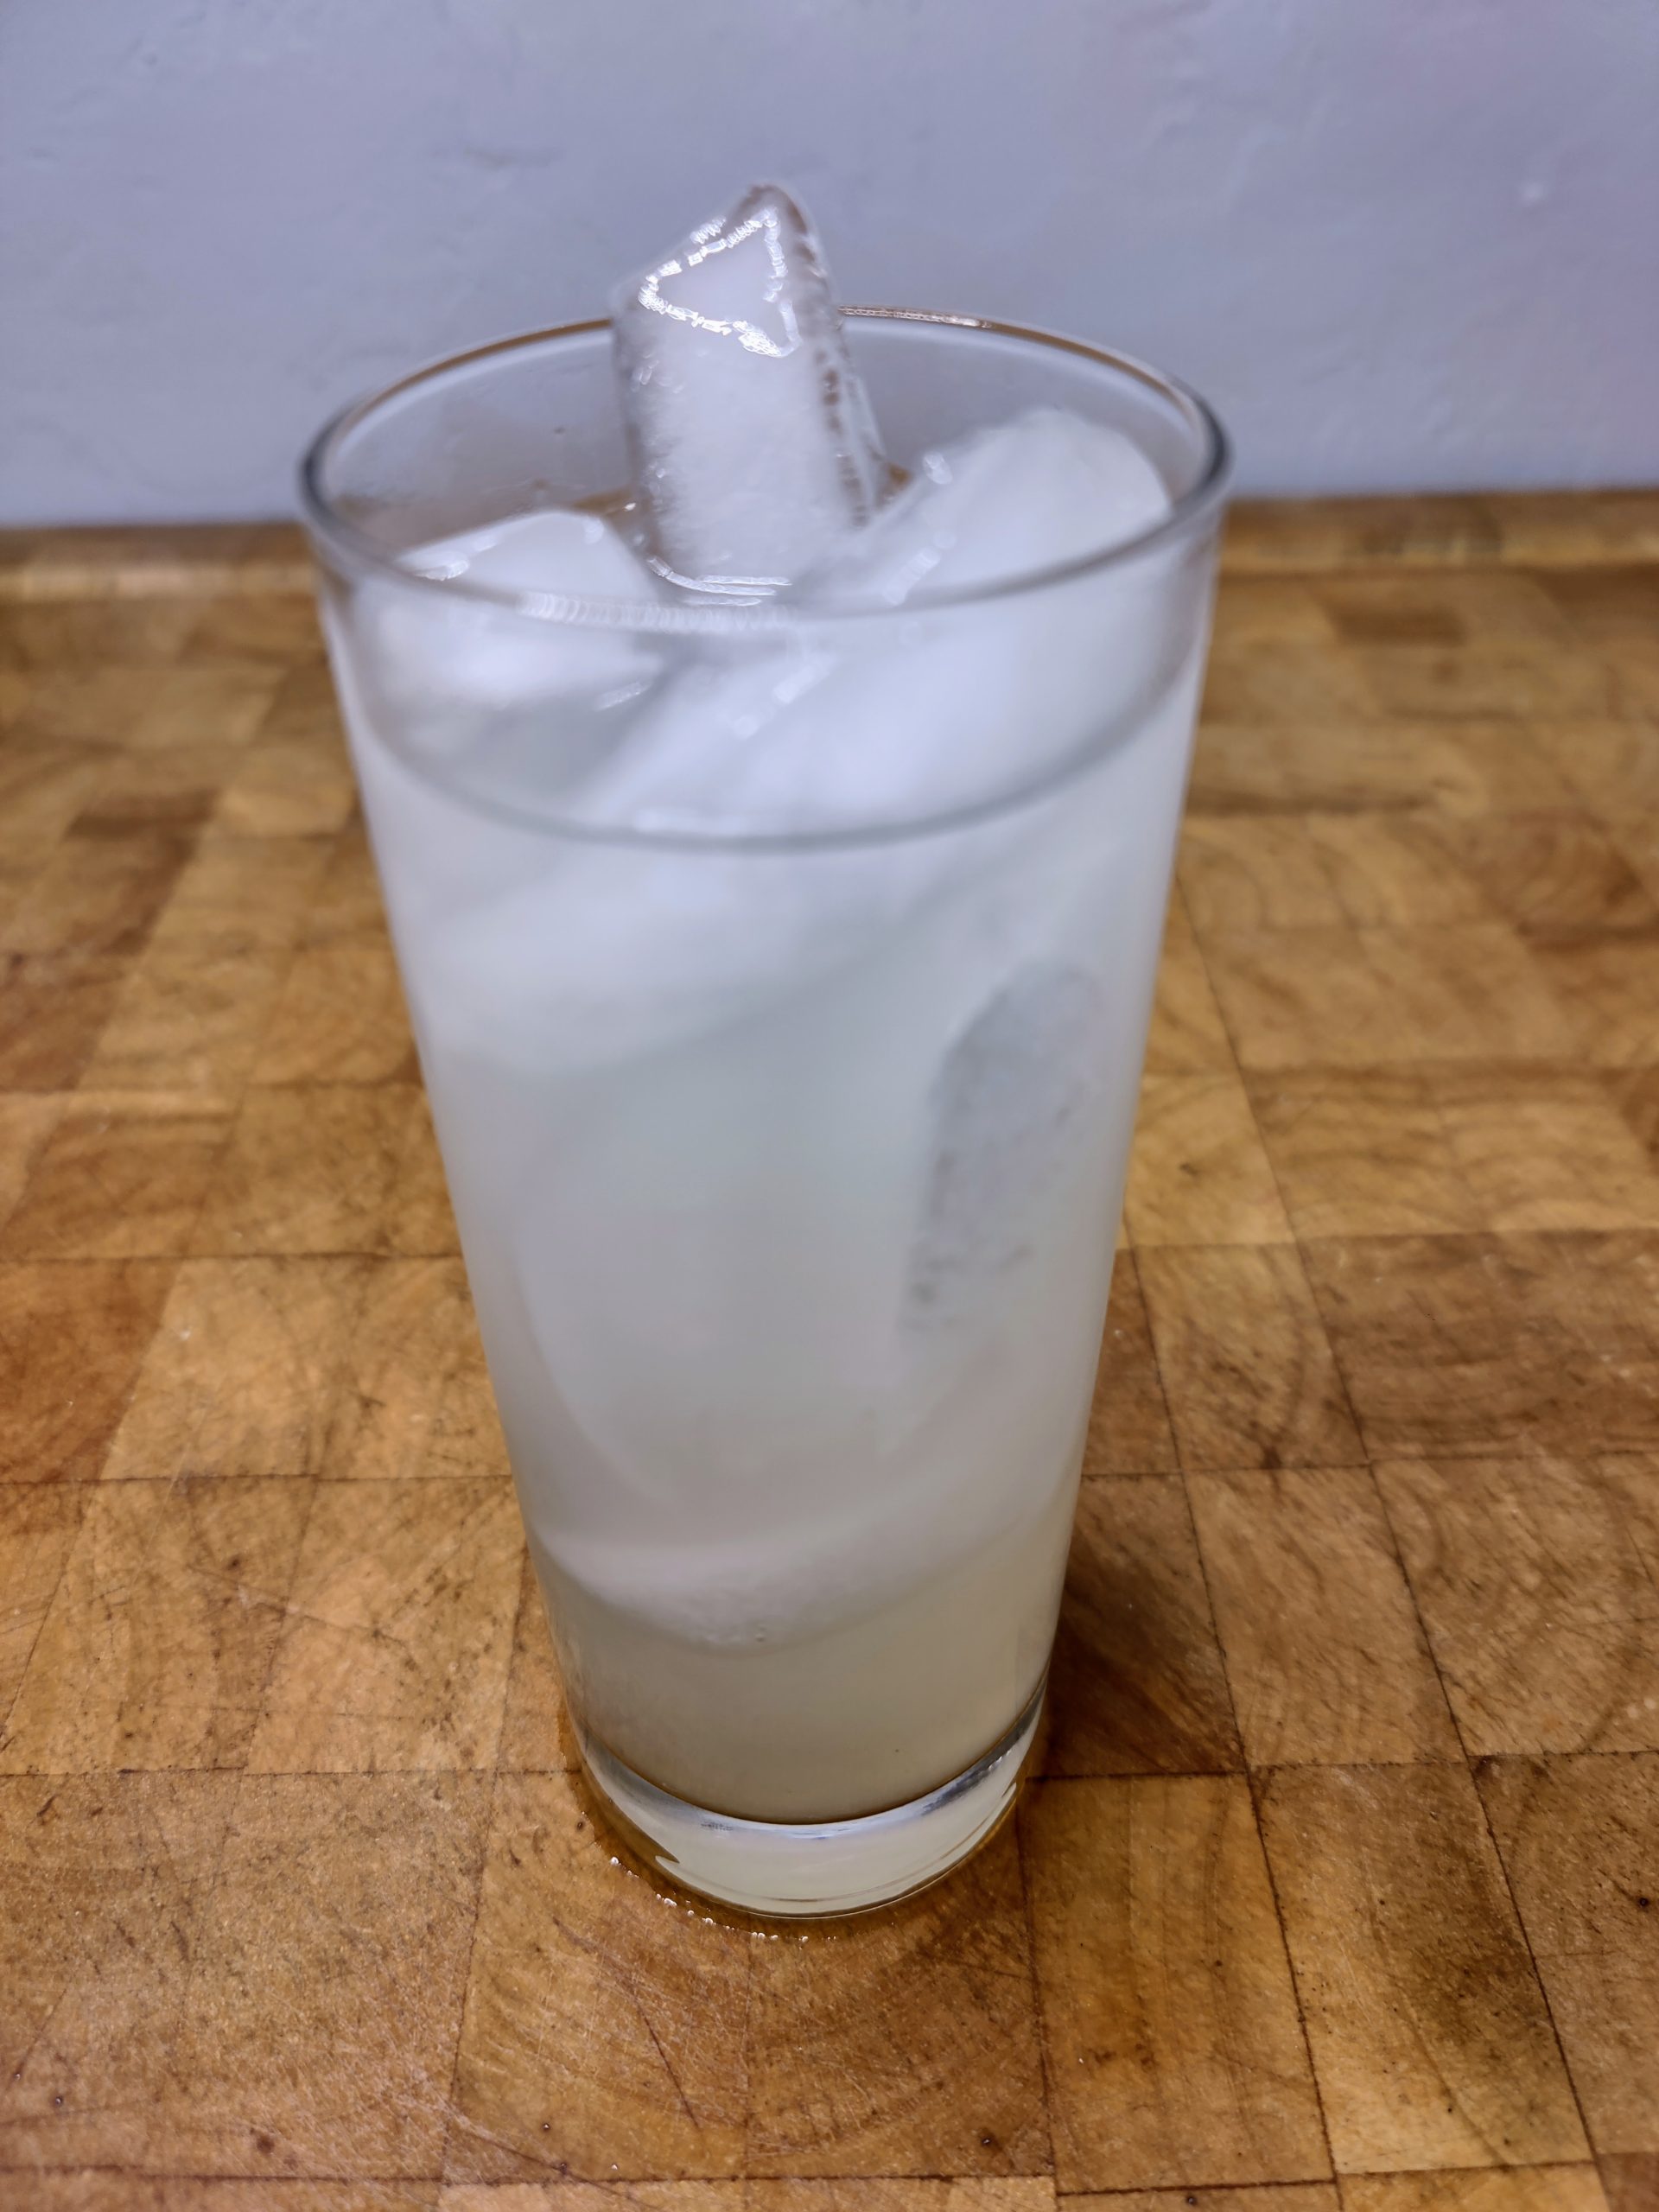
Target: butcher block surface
[[1338, 1886]]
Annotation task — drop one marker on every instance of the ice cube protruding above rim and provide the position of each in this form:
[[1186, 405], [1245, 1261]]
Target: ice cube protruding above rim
[[754, 447]]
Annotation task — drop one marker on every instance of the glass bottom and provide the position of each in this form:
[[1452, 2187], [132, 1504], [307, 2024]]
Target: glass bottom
[[786, 1870]]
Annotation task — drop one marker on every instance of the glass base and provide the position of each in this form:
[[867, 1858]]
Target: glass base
[[788, 1872]]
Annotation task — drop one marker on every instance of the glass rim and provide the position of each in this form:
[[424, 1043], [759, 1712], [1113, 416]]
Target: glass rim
[[1187, 513]]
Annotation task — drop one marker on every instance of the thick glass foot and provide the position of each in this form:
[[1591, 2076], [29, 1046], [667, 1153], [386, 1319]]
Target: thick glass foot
[[786, 1871]]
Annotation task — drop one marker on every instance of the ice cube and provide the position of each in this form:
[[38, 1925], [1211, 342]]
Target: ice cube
[[555, 552], [754, 448], [443, 646], [596, 951], [852, 723], [1041, 490]]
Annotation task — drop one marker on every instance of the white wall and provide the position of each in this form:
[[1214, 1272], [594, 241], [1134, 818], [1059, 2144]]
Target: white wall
[[1402, 243]]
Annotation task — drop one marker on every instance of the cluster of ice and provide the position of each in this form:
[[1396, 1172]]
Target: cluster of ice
[[524, 691], [858, 723], [873, 701]]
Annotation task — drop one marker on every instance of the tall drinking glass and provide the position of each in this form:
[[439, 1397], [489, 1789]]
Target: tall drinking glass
[[787, 1153]]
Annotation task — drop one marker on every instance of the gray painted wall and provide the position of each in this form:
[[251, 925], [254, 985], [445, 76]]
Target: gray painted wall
[[1402, 243]]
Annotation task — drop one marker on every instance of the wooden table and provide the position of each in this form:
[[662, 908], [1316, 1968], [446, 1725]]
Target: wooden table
[[1346, 1859]]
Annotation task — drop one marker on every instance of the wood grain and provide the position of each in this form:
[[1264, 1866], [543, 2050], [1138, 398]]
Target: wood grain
[[155, 1648], [26, 1123], [297, 786], [917, 2028], [172, 790], [536, 1733], [190, 1016], [92, 2188], [278, 629], [1481, 603], [398, 1633], [133, 634], [1129, 1421], [71, 1336], [1544, 1150], [1513, 2189], [1464, 1346], [302, 1908], [284, 2064], [98, 892], [1606, 980], [1256, 872], [1199, 1174], [1550, 874], [904, 2043], [314, 1170], [1543, 1618], [1429, 2033], [1245, 1359], [570, 1957], [1187, 1036], [1286, 2196], [414, 1396], [92, 701], [53, 1010], [1400, 869], [969, 2193], [1335, 1669], [1362, 1152], [1138, 1683], [108, 1880], [239, 895], [38, 1527], [1580, 1840], [1384, 766], [121, 1176], [1630, 2180], [340, 1019], [1352, 997], [207, 702], [1174, 2052], [246, 1371]]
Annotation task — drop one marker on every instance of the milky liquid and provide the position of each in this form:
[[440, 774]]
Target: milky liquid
[[793, 1293]]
